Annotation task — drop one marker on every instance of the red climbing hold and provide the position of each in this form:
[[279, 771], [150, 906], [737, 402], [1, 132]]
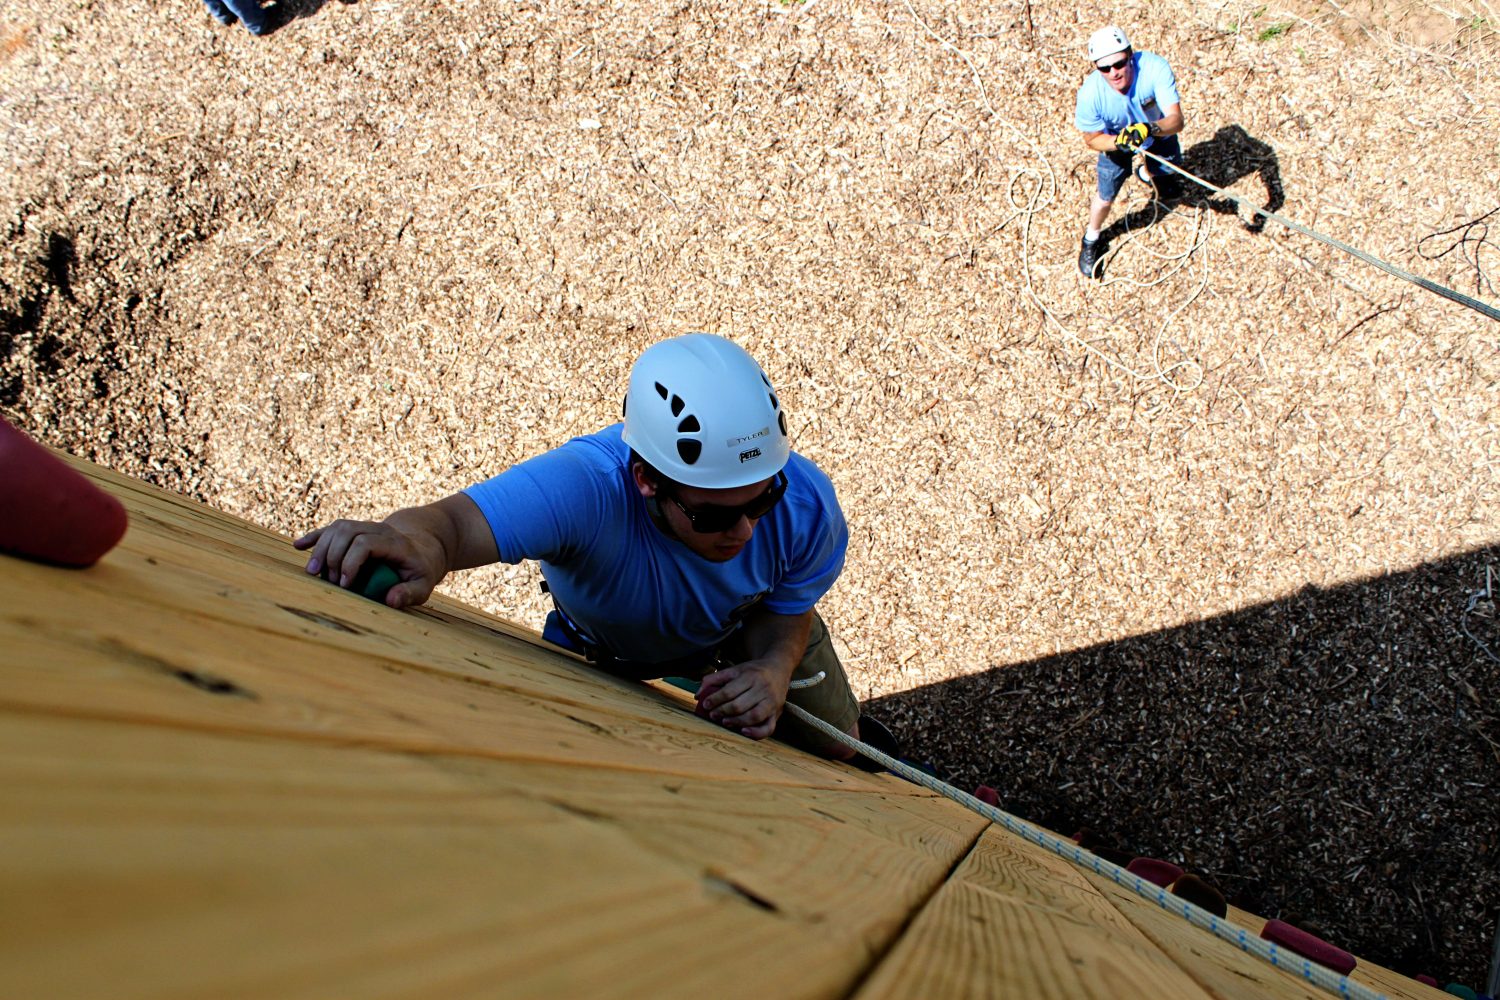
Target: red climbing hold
[[1427, 980], [48, 510], [1201, 894], [987, 795], [1087, 839], [1314, 948], [1162, 873]]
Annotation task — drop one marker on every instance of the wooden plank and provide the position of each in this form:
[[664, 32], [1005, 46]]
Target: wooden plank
[[151, 862], [99, 656], [166, 632], [1221, 967], [1393, 984], [1010, 922], [221, 778]]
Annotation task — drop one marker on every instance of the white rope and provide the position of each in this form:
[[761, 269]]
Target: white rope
[[1165, 375], [1236, 935], [1042, 196], [808, 682], [1480, 307]]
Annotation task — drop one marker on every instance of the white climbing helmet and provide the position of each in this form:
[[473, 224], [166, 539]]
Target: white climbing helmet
[[1106, 42], [703, 413]]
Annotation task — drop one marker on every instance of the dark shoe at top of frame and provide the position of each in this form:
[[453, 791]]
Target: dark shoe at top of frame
[[878, 736], [271, 20]]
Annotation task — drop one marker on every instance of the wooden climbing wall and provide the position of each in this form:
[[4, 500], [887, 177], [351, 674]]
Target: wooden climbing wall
[[222, 778]]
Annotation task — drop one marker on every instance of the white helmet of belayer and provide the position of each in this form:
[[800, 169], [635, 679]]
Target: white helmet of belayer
[[703, 413], [1106, 42]]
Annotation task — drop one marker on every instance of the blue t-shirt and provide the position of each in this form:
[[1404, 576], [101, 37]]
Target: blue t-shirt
[[1153, 89], [631, 588]]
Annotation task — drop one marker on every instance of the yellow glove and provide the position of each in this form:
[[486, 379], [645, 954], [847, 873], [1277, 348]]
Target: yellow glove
[[1131, 136]]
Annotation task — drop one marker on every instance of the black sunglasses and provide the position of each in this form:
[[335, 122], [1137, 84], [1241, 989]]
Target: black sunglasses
[[1113, 66], [712, 518]]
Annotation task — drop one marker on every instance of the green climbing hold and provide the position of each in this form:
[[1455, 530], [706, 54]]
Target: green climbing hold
[[374, 580]]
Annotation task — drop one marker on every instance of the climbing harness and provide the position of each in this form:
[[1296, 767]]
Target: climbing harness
[[1238, 936], [1431, 286]]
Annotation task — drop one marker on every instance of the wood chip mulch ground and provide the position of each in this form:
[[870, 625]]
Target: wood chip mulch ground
[[1188, 555]]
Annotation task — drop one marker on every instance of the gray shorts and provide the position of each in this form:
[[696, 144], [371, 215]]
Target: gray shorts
[[1113, 168], [832, 700]]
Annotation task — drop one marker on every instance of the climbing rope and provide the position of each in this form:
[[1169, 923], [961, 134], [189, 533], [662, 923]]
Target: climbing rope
[[1431, 286], [1043, 193], [1197, 916], [1167, 375]]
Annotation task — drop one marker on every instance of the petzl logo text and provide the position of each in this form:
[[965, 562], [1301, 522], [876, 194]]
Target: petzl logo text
[[746, 456]]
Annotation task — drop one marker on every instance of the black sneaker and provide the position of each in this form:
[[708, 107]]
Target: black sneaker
[[875, 733], [272, 19], [1088, 258]]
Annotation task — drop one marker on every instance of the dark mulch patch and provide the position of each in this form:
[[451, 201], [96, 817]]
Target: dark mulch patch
[[1332, 755]]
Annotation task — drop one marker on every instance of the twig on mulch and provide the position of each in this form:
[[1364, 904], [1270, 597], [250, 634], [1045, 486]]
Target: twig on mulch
[[1472, 235]]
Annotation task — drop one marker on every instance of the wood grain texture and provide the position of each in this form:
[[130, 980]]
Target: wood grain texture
[[1395, 985], [1221, 968], [147, 862], [220, 777], [1017, 921]]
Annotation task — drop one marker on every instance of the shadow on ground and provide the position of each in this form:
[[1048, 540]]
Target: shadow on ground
[[1335, 754], [1230, 156], [295, 10]]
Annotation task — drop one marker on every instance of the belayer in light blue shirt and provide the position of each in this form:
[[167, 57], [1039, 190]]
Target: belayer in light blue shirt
[[689, 540], [1130, 102]]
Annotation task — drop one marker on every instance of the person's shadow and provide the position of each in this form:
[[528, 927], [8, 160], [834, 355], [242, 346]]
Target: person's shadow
[[1229, 156]]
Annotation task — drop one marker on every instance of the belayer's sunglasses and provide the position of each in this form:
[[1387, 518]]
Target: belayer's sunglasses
[[1113, 66], [711, 518]]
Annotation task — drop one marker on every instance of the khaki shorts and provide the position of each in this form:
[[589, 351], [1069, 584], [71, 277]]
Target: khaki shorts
[[832, 700]]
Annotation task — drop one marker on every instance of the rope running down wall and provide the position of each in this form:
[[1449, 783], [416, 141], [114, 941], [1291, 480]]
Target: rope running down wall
[[1238, 936]]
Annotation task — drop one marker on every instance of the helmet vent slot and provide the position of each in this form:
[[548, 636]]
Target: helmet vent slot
[[661, 390], [689, 425], [781, 419], [689, 450], [677, 405]]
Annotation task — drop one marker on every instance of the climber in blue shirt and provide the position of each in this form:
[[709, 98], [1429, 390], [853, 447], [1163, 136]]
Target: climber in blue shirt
[[1129, 103], [689, 540]]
